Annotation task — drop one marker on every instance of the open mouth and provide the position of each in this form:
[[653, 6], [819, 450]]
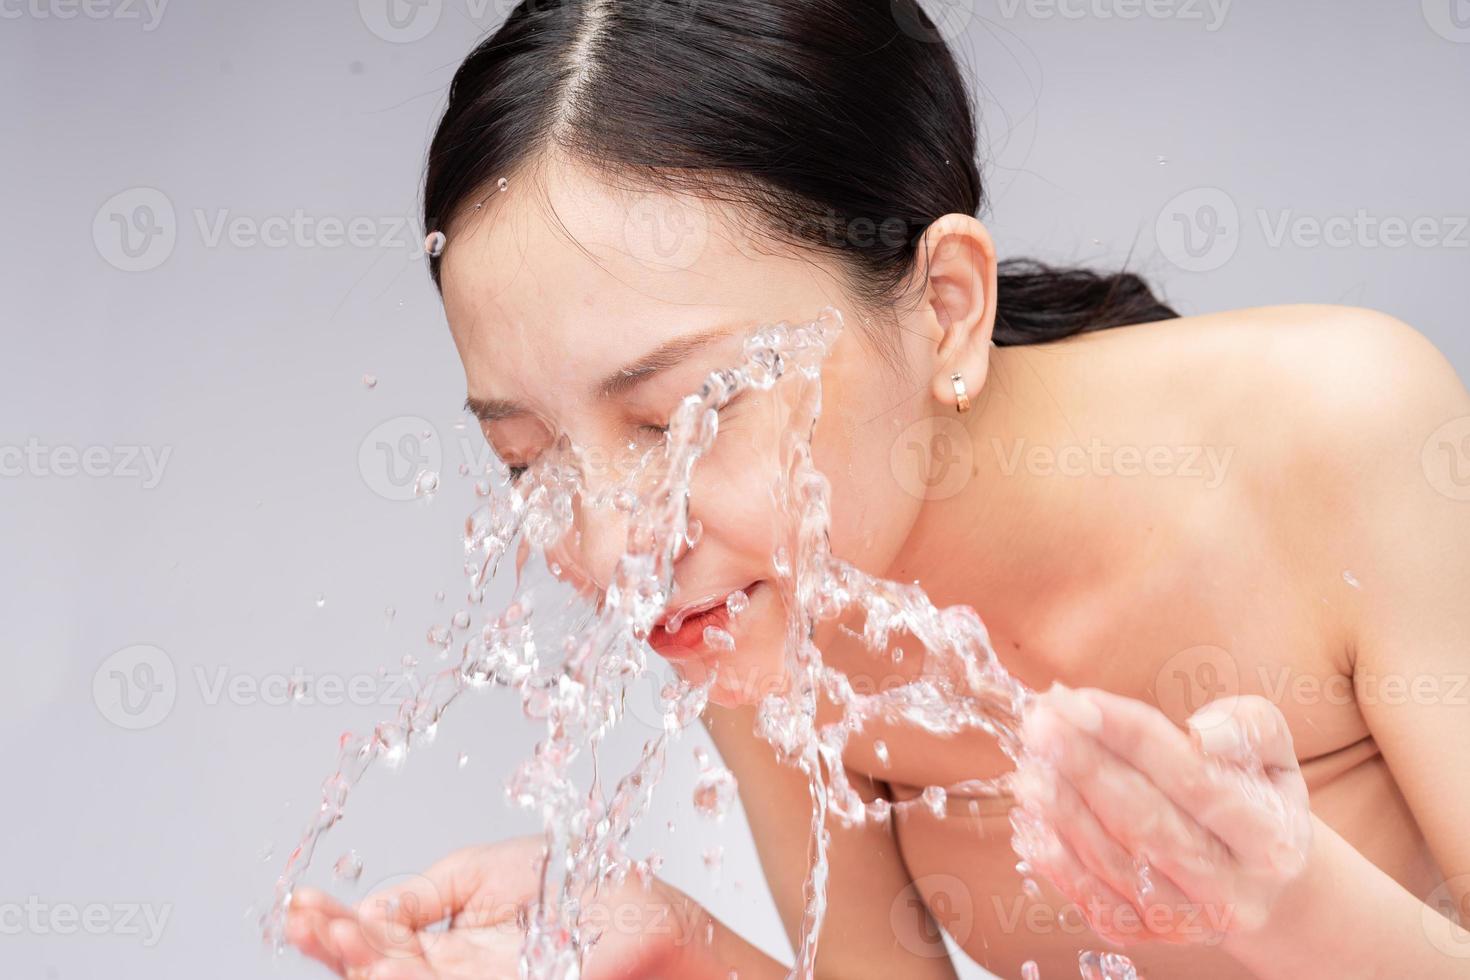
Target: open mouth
[[692, 619]]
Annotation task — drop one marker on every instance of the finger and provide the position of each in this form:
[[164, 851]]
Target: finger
[[1247, 730], [306, 929], [357, 952], [1239, 814], [317, 900], [1128, 806], [475, 886], [1056, 799], [1104, 909]]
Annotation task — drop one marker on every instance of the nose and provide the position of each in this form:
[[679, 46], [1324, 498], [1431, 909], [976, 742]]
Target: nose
[[603, 538]]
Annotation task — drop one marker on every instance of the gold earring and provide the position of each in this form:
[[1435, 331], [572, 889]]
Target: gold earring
[[961, 395]]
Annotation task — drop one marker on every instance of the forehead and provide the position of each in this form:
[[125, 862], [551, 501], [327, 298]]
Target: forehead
[[565, 275]]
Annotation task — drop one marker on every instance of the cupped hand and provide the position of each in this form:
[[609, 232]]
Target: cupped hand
[[1155, 834], [465, 918]]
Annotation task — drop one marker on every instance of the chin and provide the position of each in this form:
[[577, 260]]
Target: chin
[[738, 681]]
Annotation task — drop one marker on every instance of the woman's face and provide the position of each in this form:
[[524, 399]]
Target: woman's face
[[587, 311]]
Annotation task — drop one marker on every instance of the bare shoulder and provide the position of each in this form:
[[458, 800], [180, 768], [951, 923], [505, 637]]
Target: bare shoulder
[[1319, 383]]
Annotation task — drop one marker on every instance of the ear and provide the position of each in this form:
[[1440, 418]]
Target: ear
[[956, 257]]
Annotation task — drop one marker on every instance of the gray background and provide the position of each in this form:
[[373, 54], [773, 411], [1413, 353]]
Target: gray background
[[1107, 136]]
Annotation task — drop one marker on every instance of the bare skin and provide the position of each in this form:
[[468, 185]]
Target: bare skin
[[1238, 504], [1248, 574]]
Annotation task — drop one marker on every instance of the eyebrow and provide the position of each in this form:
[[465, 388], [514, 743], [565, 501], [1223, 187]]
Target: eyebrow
[[620, 382]]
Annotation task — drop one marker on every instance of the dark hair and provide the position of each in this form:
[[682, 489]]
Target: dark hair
[[839, 124]]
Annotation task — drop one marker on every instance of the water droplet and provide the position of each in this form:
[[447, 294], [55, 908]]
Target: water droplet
[[503, 184], [701, 757], [1351, 579], [737, 602], [1161, 161], [348, 867], [714, 858], [464, 469], [434, 244], [463, 760], [369, 380], [426, 484], [880, 749], [1030, 971], [461, 620], [321, 600], [713, 793], [389, 613], [439, 596], [409, 661], [718, 640], [935, 799]]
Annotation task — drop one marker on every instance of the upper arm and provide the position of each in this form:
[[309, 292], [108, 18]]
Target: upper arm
[[1404, 441], [866, 880]]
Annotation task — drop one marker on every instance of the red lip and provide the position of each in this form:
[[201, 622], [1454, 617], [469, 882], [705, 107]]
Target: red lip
[[689, 638]]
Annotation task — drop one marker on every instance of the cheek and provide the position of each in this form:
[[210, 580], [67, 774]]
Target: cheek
[[871, 512]]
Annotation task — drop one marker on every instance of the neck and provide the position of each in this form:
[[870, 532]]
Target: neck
[[1018, 541]]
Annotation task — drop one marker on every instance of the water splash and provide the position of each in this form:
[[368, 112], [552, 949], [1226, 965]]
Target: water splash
[[576, 673]]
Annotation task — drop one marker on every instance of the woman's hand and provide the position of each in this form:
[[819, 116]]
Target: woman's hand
[[483, 893], [1154, 834]]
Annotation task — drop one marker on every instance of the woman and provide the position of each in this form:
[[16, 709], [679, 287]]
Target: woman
[[1249, 513]]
